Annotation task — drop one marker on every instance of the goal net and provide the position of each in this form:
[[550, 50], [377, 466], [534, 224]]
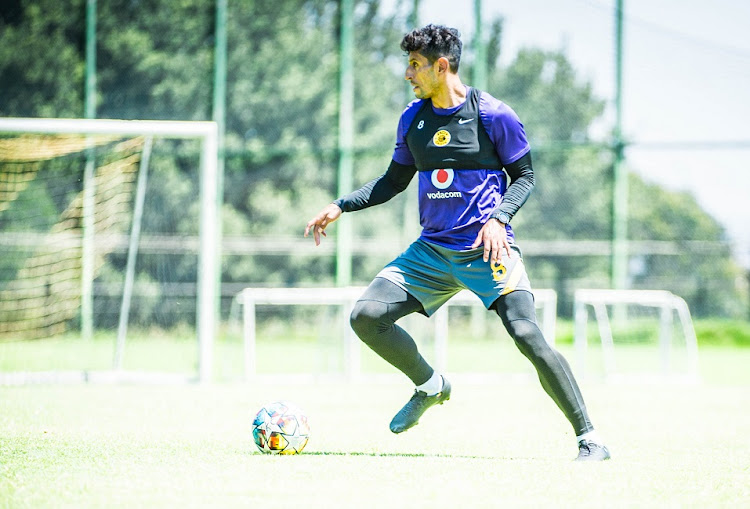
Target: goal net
[[96, 252], [640, 334]]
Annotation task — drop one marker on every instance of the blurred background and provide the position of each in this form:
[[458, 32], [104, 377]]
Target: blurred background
[[636, 113]]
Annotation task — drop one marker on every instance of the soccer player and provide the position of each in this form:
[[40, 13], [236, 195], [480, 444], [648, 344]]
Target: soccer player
[[474, 165]]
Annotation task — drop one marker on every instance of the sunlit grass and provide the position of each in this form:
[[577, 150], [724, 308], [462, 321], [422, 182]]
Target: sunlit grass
[[496, 443], [91, 446], [282, 350]]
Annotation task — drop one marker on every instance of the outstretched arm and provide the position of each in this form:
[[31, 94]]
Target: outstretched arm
[[378, 190]]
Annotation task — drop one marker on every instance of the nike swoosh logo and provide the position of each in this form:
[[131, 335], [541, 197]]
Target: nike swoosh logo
[[464, 120]]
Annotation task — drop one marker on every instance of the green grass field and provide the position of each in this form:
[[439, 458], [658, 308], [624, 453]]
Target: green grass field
[[190, 446], [498, 444]]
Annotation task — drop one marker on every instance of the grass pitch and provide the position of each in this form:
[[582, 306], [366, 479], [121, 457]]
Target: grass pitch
[[496, 445]]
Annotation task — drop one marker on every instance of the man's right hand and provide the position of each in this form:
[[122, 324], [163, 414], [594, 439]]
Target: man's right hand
[[318, 223]]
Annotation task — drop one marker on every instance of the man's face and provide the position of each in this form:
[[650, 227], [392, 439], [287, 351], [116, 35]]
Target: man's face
[[422, 75]]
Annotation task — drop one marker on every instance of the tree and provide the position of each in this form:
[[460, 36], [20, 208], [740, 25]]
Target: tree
[[282, 123], [41, 58], [705, 274], [572, 198]]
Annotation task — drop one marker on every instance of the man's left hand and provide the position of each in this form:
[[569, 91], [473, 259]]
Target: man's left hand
[[494, 238]]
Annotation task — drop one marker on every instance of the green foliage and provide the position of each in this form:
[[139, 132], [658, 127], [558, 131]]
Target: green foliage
[[662, 215], [41, 60], [711, 332], [283, 123], [544, 89], [716, 332], [659, 214], [155, 61]]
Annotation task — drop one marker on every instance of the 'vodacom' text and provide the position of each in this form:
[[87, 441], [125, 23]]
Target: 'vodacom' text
[[441, 196]]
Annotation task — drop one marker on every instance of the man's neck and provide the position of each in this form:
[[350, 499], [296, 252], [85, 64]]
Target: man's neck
[[451, 95]]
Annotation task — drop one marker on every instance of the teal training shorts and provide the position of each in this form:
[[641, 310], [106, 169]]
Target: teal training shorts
[[433, 274]]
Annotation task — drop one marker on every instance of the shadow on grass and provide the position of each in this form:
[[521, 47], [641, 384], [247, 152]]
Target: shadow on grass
[[408, 455]]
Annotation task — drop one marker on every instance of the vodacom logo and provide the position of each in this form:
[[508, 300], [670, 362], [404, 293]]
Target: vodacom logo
[[442, 178]]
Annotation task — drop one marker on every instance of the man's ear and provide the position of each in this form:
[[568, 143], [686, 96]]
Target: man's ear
[[443, 65]]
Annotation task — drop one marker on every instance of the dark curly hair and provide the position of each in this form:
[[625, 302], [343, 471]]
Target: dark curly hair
[[433, 42]]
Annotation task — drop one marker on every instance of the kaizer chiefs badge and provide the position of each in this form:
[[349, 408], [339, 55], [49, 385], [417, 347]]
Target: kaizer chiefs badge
[[441, 138]]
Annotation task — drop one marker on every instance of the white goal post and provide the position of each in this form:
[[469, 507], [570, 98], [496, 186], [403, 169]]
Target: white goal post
[[208, 264], [667, 305], [346, 297]]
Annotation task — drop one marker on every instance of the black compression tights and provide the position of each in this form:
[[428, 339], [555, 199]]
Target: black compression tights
[[517, 312], [374, 320], [383, 303]]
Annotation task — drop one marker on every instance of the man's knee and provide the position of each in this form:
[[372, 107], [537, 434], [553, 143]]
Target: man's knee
[[369, 317], [527, 335]]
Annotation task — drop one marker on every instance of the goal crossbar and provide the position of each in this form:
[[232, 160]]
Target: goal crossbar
[[171, 128]]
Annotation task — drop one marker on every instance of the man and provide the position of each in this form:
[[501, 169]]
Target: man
[[465, 145]]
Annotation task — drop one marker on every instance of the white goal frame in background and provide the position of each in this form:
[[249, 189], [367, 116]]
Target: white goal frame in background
[[346, 297], [208, 258], [666, 302]]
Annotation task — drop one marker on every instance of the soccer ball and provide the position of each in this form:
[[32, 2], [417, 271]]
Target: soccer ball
[[281, 428]]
